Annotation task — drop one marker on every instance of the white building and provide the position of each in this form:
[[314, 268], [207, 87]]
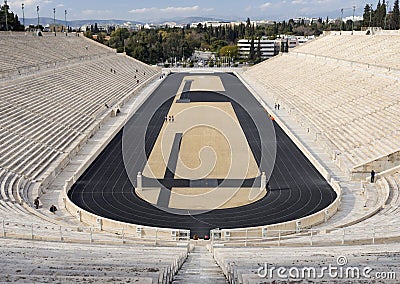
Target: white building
[[269, 48], [294, 41], [305, 20]]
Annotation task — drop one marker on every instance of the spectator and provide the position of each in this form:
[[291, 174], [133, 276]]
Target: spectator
[[53, 209], [36, 202], [372, 176]]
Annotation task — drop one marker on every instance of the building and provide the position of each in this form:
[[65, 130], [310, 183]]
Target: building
[[305, 20], [294, 41], [269, 48]]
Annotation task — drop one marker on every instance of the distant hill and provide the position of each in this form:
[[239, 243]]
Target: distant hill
[[77, 23], [188, 20]]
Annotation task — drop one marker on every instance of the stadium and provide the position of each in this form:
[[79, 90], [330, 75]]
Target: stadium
[[206, 175]]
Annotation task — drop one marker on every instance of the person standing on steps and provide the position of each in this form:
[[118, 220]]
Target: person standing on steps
[[372, 176], [36, 202]]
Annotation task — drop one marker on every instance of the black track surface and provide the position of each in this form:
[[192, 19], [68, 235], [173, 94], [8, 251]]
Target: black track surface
[[296, 187]]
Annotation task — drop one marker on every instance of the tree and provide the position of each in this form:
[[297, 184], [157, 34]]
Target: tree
[[13, 23], [367, 15], [229, 51], [380, 14], [252, 51], [395, 16], [258, 53]]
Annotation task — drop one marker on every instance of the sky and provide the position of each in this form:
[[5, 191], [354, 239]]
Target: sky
[[145, 11]]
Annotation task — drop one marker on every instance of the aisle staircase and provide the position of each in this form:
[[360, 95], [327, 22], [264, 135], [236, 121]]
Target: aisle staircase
[[200, 267]]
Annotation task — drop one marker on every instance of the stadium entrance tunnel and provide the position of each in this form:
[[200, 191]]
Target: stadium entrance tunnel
[[193, 157]]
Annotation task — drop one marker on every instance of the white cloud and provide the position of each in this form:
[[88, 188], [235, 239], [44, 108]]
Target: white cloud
[[301, 2], [18, 3], [143, 10], [180, 9], [60, 5], [265, 5], [170, 10]]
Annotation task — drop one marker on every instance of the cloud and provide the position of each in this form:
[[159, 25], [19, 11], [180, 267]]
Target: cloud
[[170, 10], [265, 5], [60, 5], [143, 10], [301, 2], [18, 3], [180, 9]]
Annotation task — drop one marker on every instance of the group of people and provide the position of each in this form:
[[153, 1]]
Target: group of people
[[36, 202], [169, 118], [277, 106]]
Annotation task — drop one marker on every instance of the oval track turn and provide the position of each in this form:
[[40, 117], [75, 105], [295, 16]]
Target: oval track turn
[[296, 187]]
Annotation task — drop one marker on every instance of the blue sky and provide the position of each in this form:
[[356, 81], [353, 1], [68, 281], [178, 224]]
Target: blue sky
[[151, 9]]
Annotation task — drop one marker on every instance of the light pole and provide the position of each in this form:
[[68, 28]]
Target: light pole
[[54, 21], [23, 14], [341, 21], [38, 17], [5, 11], [352, 28], [66, 27]]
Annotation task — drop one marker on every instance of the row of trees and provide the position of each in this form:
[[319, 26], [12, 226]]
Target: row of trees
[[381, 17], [9, 21], [162, 44]]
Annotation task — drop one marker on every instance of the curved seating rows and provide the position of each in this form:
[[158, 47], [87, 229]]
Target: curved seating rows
[[46, 115], [355, 110]]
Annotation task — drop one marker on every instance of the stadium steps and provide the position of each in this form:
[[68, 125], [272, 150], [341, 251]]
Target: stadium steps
[[26, 261], [241, 265], [355, 120], [199, 267], [352, 208], [54, 192]]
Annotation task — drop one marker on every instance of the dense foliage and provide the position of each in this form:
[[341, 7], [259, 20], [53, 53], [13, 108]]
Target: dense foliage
[[162, 44], [13, 23], [380, 17]]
